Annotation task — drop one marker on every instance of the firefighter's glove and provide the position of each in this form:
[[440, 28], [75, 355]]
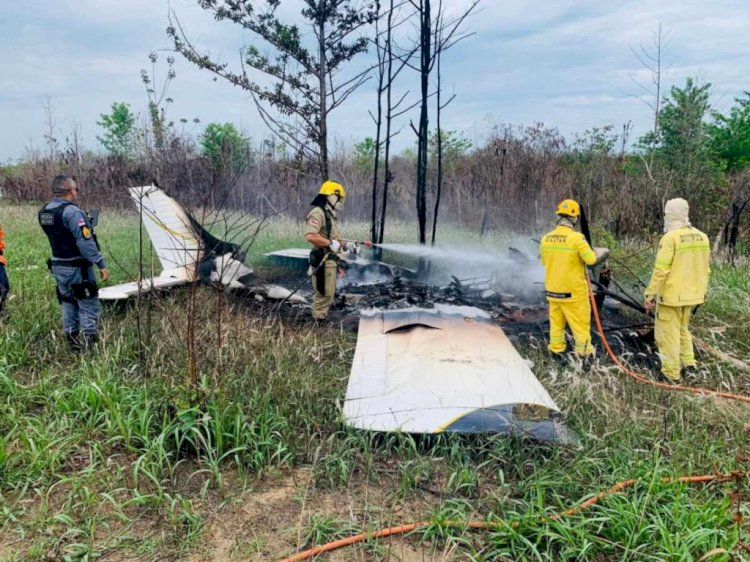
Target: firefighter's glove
[[334, 246], [601, 254]]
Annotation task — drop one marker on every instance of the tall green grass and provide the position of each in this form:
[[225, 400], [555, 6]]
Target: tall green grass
[[112, 452]]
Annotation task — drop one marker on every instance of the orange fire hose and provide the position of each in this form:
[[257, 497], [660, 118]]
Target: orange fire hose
[[401, 529], [645, 380]]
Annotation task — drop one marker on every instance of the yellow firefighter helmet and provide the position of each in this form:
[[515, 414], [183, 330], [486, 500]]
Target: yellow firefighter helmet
[[569, 208], [333, 188]]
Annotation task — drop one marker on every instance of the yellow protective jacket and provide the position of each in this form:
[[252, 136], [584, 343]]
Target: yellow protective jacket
[[681, 270], [565, 253]]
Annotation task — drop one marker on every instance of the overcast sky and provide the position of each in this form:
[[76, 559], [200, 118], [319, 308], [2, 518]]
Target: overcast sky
[[567, 64]]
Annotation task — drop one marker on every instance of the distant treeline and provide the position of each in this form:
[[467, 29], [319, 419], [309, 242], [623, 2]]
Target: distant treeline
[[511, 181]]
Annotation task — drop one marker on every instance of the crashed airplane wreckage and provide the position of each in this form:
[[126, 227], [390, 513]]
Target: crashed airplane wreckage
[[450, 368], [416, 370], [187, 253]]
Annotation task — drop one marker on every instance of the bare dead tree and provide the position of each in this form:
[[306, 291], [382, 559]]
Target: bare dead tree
[[50, 123], [389, 66], [425, 67], [501, 150], [435, 36], [651, 60], [157, 97], [446, 35], [381, 72], [440, 106], [306, 82]]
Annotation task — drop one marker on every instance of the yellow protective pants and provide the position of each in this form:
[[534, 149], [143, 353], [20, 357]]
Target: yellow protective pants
[[673, 339], [321, 303], [578, 315]]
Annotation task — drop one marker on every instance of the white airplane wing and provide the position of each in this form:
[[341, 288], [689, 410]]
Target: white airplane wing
[[127, 290]]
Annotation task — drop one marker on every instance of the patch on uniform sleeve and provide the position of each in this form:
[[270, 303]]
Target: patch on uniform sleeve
[[86, 231], [312, 221], [81, 222]]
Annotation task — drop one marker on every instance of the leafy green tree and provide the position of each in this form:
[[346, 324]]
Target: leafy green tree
[[730, 136], [119, 130], [592, 163], [682, 126], [364, 155], [294, 76], [730, 146], [225, 147], [454, 146], [683, 165]]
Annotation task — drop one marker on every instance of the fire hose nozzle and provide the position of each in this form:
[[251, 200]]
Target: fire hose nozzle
[[367, 243]]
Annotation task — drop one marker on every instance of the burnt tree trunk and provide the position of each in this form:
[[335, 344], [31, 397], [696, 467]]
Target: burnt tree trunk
[[422, 146], [439, 154], [322, 75], [387, 176]]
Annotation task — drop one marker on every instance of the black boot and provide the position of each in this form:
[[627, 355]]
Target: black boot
[[75, 343], [588, 362], [560, 359], [690, 372], [661, 377], [90, 341]]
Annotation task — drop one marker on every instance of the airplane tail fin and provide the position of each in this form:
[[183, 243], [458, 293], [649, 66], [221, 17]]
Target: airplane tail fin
[[171, 231]]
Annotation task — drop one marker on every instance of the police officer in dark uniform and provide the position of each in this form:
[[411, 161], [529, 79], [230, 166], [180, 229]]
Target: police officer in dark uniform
[[4, 284], [75, 251]]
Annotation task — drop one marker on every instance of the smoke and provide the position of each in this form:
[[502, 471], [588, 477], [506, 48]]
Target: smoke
[[508, 270], [364, 276]]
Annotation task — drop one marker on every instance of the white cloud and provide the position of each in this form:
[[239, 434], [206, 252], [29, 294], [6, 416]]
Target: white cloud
[[566, 63]]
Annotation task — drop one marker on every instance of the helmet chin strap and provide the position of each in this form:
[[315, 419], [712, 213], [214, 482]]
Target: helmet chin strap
[[573, 221], [331, 203]]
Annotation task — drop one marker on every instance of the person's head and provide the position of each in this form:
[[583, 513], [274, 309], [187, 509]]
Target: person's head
[[334, 193], [569, 210], [676, 214], [64, 187]]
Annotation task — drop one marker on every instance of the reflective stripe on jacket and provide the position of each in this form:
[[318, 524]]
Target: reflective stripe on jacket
[[681, 270], [2, 246], [565, 253]]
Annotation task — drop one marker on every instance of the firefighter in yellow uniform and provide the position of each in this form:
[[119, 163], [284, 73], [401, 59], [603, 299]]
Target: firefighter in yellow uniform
[[565, 255], [679, 283], [323, 233]]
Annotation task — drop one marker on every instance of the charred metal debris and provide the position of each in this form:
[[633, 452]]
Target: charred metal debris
[[400, 292]]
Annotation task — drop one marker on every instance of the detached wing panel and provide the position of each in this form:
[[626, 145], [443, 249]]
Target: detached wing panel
[[445, 369]]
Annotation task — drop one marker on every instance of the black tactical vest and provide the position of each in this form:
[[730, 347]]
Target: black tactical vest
[[327, 215], [61, 240]]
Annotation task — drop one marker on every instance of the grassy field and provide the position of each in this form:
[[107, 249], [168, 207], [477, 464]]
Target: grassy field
[[114, 456]]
